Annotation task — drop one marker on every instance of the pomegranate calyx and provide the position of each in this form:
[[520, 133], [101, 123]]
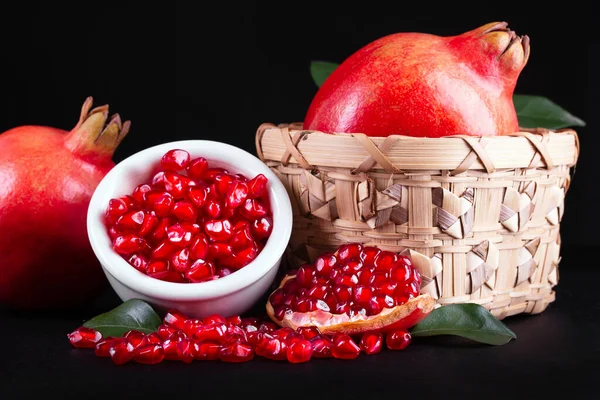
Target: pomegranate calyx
[[96, 135]]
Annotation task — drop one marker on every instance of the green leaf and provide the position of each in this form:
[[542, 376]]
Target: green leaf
[[538, 111], [132, 314], [320, 71], [468, 320]]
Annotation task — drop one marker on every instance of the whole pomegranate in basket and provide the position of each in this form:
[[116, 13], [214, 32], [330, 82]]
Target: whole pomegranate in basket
[[47, 177], [424, 85]]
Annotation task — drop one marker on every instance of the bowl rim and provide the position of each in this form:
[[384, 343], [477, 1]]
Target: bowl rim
[[218, 152]]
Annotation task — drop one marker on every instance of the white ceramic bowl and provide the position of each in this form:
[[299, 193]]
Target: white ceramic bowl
[[230, 295]]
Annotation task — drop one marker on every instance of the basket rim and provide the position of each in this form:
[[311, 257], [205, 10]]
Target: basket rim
[[538, 148]]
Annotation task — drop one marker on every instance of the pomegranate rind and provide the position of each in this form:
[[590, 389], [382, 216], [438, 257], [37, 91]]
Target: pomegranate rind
[[402, 317]]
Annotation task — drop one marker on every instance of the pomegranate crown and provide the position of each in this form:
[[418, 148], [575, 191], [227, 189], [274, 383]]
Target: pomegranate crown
[[95, 133]]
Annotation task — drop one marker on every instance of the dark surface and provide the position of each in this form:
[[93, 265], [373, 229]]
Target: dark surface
[[556, 351]]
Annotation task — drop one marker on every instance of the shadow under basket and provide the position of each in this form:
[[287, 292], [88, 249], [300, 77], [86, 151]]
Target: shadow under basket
[[482, 214]]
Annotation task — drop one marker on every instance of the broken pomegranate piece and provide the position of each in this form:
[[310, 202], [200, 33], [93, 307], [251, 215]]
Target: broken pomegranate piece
[[191, 222], [356, 289]]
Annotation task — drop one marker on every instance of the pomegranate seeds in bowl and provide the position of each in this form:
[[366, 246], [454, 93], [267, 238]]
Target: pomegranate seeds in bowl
[[191, 222]]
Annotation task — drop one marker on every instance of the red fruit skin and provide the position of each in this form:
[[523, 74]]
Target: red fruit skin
[[424, 85], [46, 182]]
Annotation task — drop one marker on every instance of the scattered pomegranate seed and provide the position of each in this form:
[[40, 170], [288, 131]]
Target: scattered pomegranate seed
[[149, 354], [299, 351], [121, 351], [371, 342], [187, 212], [344, 347], [84, 337], [398, 340], [230, 339]]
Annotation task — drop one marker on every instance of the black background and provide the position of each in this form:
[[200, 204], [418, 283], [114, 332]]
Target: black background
[[218, 72]]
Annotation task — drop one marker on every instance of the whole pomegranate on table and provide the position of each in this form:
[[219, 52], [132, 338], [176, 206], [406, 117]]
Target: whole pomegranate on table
[[424, 85], [47, 177]]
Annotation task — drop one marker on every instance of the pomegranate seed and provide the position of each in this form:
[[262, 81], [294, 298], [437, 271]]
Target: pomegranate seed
[[200, 271], [139, 194], [103, 346], [308, 332], [157, 268], [245, 256], [349, 252], [317, 291], [129, 201], [181, 234], [186, 350], [300, 351], [154, 338], [218, 230], [136, 338], [385, 261], [196, 168], [219, 251], [165, 331], [160, 202], [267, 326], [210, 174], [199, 247], [322, 346], [324, 264], [113, 233], [252, 209], [213, 209], [398, 340], [170, 349], [305, 304], [138, 261], [198, 195], [208, 351], [160, 231], [84, 337], [116, 208], [175, 319], [214, 332], [234, 320], [131, 222], [121, 352], [237, 352], [158, 179], [128, 244], [371, 342], [262, 228], [149, 354], [344, 347], [305, 275], [185, 211], [236, 194], [175, 184], [164, 250], [362, 295], [175, 160], [342, 292], [283, 333], [222, 183], [346, 280], [242, 236], [368, 256], [180, 260], [149, 223], [214, 319], [342, 308], [257, 186], [271, 347]]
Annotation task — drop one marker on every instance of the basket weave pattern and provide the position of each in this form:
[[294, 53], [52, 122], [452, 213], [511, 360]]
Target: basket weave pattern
[[484, 212]]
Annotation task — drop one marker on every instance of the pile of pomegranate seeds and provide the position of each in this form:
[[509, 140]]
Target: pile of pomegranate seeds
[[357, 280], [232, 339], [191, 223]]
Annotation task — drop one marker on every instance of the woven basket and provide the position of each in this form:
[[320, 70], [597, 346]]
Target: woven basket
[[484, 212]]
